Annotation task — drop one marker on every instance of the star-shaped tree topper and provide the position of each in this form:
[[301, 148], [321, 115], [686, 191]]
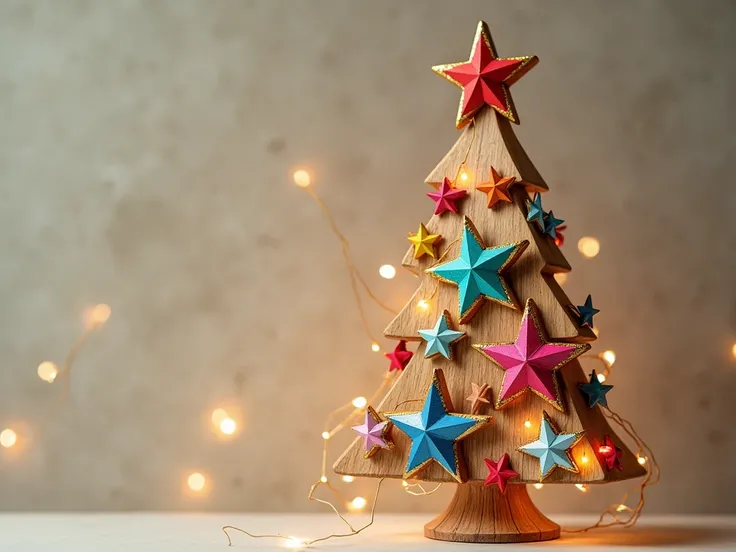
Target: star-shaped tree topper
[[552, 448], [485, 78], [435, 433], [446, 196], [477, 272], [424, 242], [499, 472], [536, 212], [497, 188], [595, 391], [587, 312], [478, 396], [441, 338], [399, 357], [531, 362], [375, 433], [610, 454]]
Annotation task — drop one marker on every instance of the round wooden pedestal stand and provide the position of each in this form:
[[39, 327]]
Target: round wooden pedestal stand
[[482, 514]]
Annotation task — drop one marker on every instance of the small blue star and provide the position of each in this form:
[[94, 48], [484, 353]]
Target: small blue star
[[477, 272], [536, 212], [550, 225], [587, 312], [440, 338], [552, 448], [595, 391], [434, 433]]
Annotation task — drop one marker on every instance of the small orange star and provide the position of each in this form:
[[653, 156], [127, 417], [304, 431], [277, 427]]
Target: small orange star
[[477, 397], [497, 188]]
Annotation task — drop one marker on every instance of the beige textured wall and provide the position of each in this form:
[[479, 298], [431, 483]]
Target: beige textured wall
[[145, 153]]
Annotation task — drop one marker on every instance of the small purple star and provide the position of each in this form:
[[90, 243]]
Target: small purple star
[[374, 433]]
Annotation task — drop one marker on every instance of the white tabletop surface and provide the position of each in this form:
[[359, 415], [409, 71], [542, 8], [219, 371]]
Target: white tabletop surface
[[160, 532]]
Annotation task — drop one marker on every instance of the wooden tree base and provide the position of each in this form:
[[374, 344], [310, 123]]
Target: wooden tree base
[[482, 514]]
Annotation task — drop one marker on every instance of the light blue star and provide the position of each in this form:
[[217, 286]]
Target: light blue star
[[550, 225], [434, 432], [552, 448], [536, 212], [477, 272], [440, 338]]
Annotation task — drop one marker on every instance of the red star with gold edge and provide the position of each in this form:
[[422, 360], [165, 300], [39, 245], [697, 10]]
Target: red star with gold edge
[[445, 197], [485, 78], [399, 357], [497, 188], [499, 472]]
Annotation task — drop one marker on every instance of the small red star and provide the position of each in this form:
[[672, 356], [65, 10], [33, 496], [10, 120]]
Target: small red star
[[399, 357], [560, 239], [497, 188], [499, 472], [610, 454], [485, 78], [446, 197]]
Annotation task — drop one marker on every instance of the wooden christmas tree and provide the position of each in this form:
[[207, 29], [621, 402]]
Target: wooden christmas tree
[[494, 398]]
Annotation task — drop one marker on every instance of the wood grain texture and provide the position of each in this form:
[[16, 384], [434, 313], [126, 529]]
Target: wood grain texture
[[484, 514], [531, 277]]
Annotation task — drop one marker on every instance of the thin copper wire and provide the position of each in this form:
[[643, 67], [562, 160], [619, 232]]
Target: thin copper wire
[[306, 543]]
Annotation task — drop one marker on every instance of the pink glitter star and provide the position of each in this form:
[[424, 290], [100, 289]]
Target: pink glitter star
[[446, 197], [531, 361], [374, 432]]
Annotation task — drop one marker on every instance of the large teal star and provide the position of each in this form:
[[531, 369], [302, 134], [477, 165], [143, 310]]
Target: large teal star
[[440, 338], [552, 448], [435, 433], [477, 272]]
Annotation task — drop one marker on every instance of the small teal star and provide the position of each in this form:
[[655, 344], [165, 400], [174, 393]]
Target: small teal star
[[595, 391], [536, 212], [550, 225], [435, 433], [552, 448], [440, 338], [587, 312], [477, 272]]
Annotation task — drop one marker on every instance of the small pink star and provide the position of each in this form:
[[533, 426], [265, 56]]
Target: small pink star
[[374, 432], [446, 197], [399, 357], [499, 472], [531, 361]]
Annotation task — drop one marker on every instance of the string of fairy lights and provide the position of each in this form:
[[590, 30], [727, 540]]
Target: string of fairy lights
[[613, 515]]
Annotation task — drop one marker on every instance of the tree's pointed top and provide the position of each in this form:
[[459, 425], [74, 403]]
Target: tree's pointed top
[[485, 78]]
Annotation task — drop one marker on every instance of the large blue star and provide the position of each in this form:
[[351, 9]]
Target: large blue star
[[552, 448], [440, 338], [477, 272], [435, 433]]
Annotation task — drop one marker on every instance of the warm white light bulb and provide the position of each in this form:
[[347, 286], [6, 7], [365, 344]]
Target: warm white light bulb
[[359, 402], [325, 435], [294, 542], [96, 316], [422, 305], [348, 478], [8, 438], [405, 484], [375, 347], [527, 424], [584, 459], [302, 178], [538, 485], [323, 479], [582, 488], [601, 377], [218, 415], [196, 481], [387, 271], [589, 247], [609, 357], [641, 459], [358, 503], [47, 371], [228, 426]]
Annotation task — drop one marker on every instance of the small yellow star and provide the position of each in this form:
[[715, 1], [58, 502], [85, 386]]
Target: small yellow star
[[424, 242]]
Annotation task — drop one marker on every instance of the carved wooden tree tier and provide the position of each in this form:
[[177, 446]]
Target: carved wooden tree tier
[[491, 142]]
